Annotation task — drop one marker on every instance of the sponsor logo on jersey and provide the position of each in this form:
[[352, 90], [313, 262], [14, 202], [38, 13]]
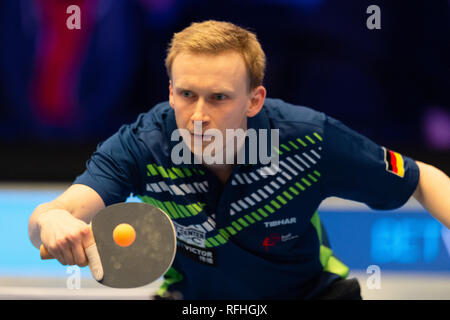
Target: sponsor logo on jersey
[[202, 255], [288, 237], [190, 235], [282, 222], [273, 239], [394, 162]]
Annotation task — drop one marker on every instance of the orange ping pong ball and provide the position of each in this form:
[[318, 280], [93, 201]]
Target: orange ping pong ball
[[124, 235]]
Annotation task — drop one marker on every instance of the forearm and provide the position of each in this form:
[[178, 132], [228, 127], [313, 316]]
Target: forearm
[[433, 192]]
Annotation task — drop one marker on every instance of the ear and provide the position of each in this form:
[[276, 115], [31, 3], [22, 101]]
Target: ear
[[257, 98], [171, 100]]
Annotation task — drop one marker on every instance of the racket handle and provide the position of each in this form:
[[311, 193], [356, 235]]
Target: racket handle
[[45, 255]]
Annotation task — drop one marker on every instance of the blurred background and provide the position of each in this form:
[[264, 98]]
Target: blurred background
[[63, 91]]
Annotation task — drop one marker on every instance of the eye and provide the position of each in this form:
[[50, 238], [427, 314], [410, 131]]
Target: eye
[[186, 94], [220, 96]]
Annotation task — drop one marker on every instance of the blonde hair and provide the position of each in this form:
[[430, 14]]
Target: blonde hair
[[214, 37]]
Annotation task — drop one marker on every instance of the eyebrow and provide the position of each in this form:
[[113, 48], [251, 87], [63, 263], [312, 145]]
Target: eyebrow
[[215, 90]]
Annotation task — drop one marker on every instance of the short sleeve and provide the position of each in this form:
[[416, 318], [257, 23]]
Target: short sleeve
[[113, 171], [356, 168]]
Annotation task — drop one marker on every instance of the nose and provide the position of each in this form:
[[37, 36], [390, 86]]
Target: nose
[[200, 112]]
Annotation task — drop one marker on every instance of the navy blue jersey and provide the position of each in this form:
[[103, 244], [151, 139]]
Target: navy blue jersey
[[259, 235]]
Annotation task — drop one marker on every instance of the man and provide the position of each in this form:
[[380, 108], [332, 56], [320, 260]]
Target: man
[[257, 230]]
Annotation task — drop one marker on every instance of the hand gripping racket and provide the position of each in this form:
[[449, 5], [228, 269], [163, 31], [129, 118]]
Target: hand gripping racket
[[131, 261]]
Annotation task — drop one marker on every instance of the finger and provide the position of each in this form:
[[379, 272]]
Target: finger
[[79, 254], [68, 256], [55, 251], [62, 261], [87, 237], [66, 252], [57, 254]]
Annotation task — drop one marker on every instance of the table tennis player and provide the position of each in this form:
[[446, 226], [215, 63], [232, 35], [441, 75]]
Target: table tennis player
[[245, 229]]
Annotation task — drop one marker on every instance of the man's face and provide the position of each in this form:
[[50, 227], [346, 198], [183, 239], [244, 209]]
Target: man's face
[[213, 90]]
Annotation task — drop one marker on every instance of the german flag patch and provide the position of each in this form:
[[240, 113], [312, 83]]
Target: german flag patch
[[394, 162]]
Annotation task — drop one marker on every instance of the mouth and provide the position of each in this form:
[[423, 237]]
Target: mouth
[[202, 137]]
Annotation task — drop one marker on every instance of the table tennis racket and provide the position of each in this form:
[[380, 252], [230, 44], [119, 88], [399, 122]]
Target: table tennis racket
[[147, 258]]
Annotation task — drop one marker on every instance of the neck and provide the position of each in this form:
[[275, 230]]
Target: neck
[[222, 171]]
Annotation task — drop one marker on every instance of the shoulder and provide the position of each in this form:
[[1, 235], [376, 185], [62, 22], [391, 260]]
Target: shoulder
[[153, 123], [154, 119], [295, 121], [282, 114], [279, 111], [147, 133]]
